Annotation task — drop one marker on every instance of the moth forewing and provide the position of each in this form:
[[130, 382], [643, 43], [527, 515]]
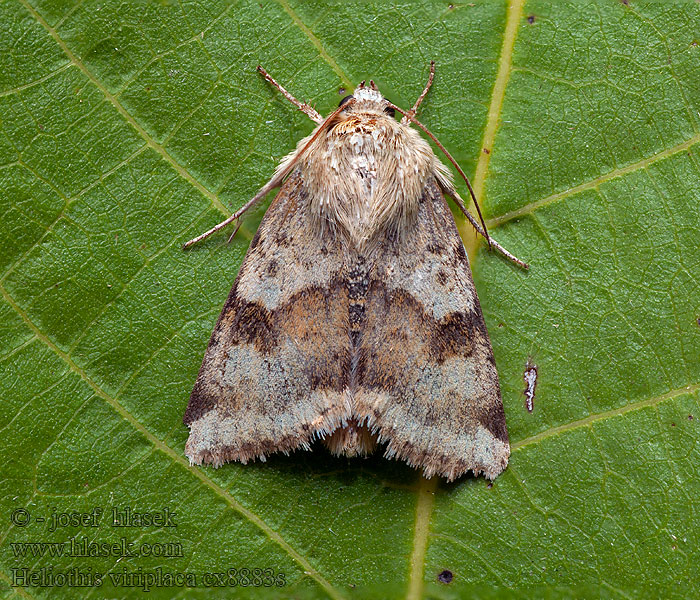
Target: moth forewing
[[354, 317]]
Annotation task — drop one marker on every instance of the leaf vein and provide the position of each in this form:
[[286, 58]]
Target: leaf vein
[[273, 535], [590, 419], [317, 44], [592, 183], [184, 173]]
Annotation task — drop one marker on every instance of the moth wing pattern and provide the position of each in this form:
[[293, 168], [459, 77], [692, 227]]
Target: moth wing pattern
[[427, 377], [275, 371], [354, 317]]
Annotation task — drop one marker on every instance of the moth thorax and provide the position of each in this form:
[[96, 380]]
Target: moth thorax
[[366, 177]]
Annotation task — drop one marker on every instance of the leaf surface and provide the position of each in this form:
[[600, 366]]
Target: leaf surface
[[128, 128]]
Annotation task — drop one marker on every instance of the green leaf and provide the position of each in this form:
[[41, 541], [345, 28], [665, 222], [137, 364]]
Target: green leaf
[[128, 128]]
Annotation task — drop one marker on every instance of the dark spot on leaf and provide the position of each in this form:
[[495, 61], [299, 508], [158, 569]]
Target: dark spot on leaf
[[487, 151], [450, 6], [341, 91], [698, 321], [445, 576], [501, 325], [490, 485], [673, 424], [625, 2], [531, 19], [690, 417]]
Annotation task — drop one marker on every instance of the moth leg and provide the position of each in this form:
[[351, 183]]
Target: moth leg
[[273, 183], [452, 193], [285, 166], [235, 231], [414, 110], [303, 107]]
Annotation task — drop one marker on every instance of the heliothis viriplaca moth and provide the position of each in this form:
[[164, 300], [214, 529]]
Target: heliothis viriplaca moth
[[354, 317]]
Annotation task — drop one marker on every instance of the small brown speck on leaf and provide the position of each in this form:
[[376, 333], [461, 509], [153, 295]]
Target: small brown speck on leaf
[[490, 485], [341, 91], [487, 151], [698, 321], [690, 417], [531, 19], [445, 576]]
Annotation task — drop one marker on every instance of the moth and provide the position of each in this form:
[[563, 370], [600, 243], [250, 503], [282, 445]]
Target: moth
[[354, 317]]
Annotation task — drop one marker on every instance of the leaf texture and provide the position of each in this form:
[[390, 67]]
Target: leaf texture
[[128, 128]]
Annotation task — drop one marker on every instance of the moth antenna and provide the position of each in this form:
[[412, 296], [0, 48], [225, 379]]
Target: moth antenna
[[409, 116], [309, 111], [372, 84], [414, 110], [362, 84], [276, 180]]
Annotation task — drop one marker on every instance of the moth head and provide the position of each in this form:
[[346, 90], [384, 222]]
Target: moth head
[[366, 99]]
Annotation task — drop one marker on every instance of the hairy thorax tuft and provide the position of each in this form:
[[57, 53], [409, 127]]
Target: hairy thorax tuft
[[365, 176]]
